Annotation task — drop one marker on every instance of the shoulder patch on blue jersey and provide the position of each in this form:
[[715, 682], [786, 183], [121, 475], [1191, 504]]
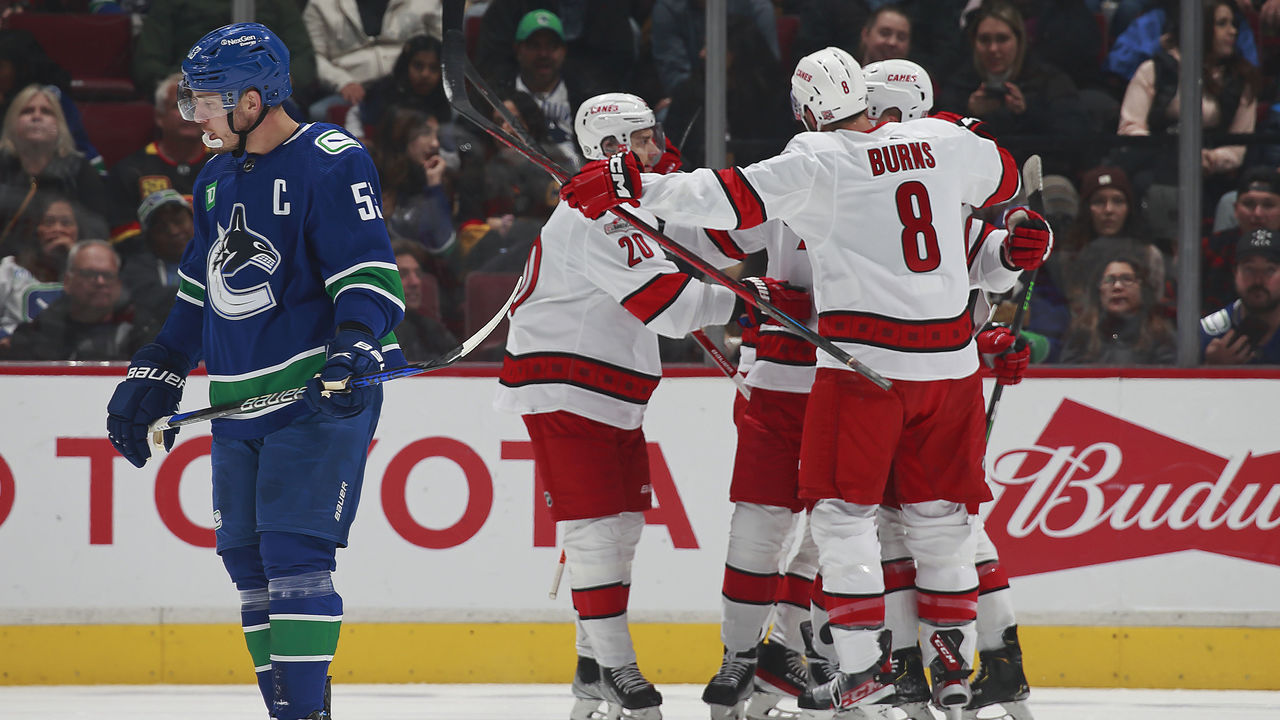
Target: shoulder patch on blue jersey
[[335, 141], [210, 194]]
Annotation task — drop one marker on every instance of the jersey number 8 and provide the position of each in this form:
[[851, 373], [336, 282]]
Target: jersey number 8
[[917, 222]]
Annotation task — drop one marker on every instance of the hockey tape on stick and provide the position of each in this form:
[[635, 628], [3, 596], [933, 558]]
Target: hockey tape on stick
[[292, 395], [457, 70], [1033, 183], [719, 360], [556, 577]]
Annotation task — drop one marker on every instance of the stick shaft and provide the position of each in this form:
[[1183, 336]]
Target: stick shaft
[[1033, 179], [720, 361], [455, 76]]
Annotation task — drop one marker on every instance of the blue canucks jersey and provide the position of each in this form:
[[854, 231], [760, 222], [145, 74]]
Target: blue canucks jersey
[[287, 245]]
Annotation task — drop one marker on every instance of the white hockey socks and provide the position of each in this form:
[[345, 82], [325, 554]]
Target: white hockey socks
[[995, 599], [853, 585], [899, 578], [795, 590], [757, 535], [598, 555], [943, 539]]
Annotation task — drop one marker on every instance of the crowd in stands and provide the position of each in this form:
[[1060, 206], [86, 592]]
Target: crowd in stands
[[91, 234]]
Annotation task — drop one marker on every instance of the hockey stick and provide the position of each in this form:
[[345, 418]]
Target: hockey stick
[[1033, 180], [455, 72], [285, 397], [713, 351], [556, 577]]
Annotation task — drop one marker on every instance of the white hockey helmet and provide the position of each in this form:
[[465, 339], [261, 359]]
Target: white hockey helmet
[[829, 84], [612, 116], [899, 84]]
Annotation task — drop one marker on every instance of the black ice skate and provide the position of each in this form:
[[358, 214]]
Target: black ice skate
[[588, 693], [781, 670], [871, 686], [911, 688], [821, 670], [729, 689], [626, 687], [1001, 680], [949, 672]]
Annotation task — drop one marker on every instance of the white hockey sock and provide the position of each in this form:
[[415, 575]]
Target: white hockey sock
[[849, 555], [795, 590], [598, 555], [899, 578], [756, 541], [995, 599]]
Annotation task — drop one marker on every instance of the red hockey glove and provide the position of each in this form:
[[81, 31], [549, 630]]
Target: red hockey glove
[[604, 184], [670, 160], [1030, 239], [1005, 353], [790, 299]]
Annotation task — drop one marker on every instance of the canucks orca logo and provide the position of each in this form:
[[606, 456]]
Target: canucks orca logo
[[239, 251]]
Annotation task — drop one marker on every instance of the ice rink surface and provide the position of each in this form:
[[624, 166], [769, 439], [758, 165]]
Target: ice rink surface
[[552, 702]]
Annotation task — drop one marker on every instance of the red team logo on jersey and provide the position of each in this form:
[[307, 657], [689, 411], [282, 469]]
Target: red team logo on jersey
[[1095, 489]]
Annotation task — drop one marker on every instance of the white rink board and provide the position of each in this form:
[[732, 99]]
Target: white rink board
[[131, 567]]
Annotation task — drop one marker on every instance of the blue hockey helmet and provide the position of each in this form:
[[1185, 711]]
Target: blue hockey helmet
[[229, 61]]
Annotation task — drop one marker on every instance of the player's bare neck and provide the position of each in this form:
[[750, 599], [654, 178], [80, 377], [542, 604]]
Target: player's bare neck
[[276, 127], [858, 123]]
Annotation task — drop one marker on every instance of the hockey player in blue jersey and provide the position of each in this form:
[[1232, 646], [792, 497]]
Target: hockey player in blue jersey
[[289, 280]]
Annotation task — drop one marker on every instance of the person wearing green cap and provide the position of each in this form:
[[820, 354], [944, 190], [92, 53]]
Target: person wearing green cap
[[598, 37], [540, 55]]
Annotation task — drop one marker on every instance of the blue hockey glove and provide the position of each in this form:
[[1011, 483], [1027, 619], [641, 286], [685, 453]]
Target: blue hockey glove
[[151, 389], [353, 351]]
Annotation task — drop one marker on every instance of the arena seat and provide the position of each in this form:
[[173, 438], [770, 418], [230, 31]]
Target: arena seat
[[431, 296], [95, 49], [486, 292], [118, 128]]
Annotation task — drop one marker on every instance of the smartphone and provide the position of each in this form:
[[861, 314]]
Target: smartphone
[[995, 89], [1253, 328]]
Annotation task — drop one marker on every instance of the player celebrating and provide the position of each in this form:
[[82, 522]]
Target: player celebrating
[[284, 280], [880, 212], [900, 90], [581, 363]]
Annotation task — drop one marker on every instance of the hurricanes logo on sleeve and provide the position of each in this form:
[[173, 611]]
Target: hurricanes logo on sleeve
[[240, 265]]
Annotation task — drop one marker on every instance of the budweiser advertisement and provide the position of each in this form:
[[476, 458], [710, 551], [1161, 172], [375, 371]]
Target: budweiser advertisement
[[1157, 498], [1117, 500]]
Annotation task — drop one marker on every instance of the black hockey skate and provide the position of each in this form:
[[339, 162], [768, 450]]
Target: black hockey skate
[[949, 671], [588, 693], [626, 687], [821, 670], [781, 670], [911, 687], [873, 685], [1001, 680], [729, 689]]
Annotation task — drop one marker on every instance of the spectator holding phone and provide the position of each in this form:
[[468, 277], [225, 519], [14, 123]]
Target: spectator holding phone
[[1010, 90], [1244, 332]]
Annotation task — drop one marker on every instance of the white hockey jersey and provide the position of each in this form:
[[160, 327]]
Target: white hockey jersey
[[882, 215], [779, 360], [582, 336]]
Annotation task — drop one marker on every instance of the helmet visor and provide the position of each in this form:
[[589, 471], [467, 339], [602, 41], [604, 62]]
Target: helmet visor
[[198, 108]]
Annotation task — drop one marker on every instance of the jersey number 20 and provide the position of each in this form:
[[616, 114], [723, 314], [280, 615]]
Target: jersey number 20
[[917, 223]]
